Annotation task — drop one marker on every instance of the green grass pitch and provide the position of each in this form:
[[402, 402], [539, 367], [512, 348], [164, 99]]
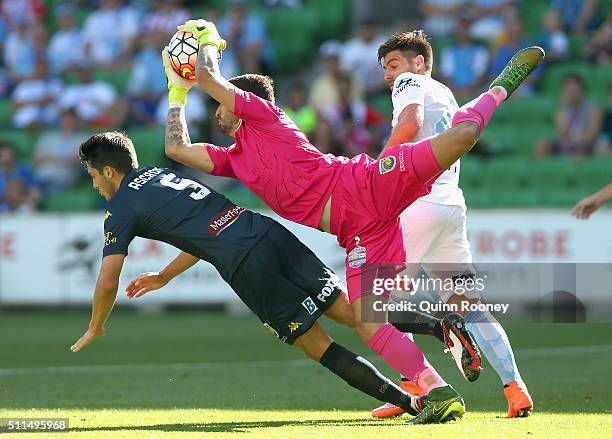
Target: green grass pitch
[[207, 375]]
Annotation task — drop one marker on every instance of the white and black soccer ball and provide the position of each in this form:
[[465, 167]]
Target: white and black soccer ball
[[183, 51]]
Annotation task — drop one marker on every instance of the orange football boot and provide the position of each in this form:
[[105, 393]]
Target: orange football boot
[[520, 403], [389, 410]]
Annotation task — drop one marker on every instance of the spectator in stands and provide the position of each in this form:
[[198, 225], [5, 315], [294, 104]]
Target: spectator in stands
[[304, 116], [248, 47], [577, 16], [360, 57], [599, 49], [578, 122], [464, 64], [441, 15], [109, 33], [516, 41], [603, 146], [291, 4], [65, 48], [356, 128], [147, 82], [552, 37], [166, 16], [324, 91], [16, 198], [489, 17], [19, 191], [14, 12], [35, 99], [56, 154], [95, 102], [19, 51]]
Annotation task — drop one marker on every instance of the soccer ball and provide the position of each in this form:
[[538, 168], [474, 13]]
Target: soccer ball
[[183, 51]]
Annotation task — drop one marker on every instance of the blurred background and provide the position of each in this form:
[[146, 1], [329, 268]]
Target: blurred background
[[68, 69]]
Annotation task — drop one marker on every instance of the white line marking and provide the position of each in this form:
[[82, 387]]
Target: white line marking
[[111, 368], [150, 367]]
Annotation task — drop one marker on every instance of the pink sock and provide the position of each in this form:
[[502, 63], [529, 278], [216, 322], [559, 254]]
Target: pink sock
[[479, 110], [403, 355]]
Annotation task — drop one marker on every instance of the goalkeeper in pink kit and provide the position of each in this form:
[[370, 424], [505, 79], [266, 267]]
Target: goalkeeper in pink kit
[[359, 200]]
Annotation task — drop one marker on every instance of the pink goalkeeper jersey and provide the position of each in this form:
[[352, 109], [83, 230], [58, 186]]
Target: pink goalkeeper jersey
[[274, 159]]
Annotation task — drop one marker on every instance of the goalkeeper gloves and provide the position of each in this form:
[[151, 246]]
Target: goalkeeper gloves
[[178, 87], [205, 32]]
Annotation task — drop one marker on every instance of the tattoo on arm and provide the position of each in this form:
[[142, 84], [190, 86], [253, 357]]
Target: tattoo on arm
[[176, 128]]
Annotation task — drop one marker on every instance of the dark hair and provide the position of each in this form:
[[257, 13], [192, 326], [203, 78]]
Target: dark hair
[[259, 85], [415, 41], [575, 77], [111, 148]]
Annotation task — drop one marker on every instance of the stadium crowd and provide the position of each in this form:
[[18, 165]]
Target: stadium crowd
[[70, 68]]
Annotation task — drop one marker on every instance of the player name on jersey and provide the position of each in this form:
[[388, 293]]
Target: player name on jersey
[[146, 176]]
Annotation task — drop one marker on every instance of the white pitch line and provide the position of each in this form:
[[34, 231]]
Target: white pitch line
[[110, 368], [150, 367]]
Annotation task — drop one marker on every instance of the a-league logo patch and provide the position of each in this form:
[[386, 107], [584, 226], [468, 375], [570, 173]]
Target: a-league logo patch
[[386, 165], [310, 305]]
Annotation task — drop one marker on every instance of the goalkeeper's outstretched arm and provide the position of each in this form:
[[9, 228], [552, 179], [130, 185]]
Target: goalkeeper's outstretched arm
[[210, 79]]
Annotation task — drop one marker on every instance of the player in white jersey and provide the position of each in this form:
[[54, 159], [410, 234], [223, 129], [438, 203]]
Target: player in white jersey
[[435, 231]]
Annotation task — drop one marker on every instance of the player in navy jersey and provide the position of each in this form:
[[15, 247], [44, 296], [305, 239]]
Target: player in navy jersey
[[276, 276]]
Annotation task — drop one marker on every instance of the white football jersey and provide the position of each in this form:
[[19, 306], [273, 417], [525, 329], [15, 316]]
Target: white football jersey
[[439, 107]]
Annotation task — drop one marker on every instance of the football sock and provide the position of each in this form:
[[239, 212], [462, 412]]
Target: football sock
[[416, 323], [403, 355], [494, 344], [478, 111], [362, 375]]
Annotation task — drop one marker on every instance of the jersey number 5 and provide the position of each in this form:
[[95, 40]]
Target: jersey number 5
[[179, 184]]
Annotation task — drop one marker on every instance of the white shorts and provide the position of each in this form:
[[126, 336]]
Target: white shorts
[[436, 241]]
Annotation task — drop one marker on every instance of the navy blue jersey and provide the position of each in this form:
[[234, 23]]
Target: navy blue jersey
[[166, 205]]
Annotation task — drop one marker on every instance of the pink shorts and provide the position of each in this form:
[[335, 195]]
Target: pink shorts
[[366, 204]]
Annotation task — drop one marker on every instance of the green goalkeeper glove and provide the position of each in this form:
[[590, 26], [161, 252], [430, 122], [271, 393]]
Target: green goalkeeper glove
[[178, 87], [205, 32]]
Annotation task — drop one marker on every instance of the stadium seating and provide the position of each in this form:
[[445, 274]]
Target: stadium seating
[[508, 177], [149, 144], [82, 198]]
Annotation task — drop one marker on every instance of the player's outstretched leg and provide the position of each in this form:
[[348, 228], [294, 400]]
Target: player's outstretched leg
[[519, 67], [355, 370], [472, 118]]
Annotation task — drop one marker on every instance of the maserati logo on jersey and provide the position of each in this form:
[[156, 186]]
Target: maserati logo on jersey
[[224, 219], [107, 215], [386, 165]]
